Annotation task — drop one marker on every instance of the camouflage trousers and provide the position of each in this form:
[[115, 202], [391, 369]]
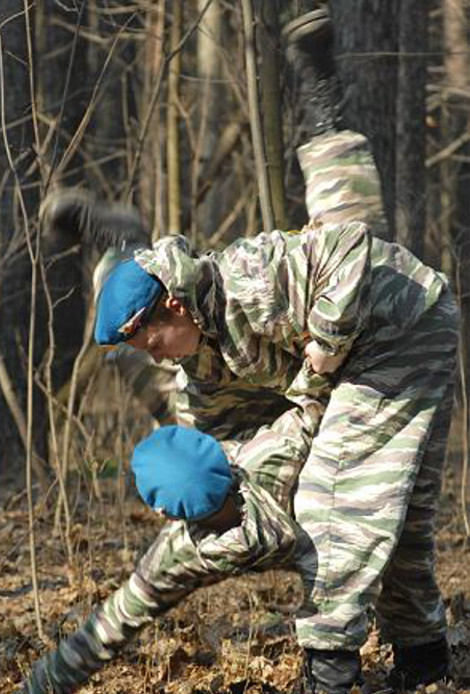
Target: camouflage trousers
[[369, 491], [342, 182]]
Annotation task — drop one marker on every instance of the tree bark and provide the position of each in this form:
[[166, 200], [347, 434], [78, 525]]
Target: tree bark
[[366, 34], [62, 103], [269, 44], [456, 174], [410, 191], [211, 99], [173, 135], [255, 117], [20, 177], [151, 178]]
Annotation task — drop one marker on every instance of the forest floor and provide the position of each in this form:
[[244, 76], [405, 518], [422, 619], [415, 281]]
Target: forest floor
[[234, 638]]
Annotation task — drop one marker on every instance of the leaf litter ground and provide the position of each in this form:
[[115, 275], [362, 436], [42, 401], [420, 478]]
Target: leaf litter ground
[[234, 638]]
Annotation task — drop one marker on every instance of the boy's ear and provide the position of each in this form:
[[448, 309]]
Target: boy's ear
[[175, 305]]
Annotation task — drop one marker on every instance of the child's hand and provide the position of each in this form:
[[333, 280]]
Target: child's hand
[[320, 362]]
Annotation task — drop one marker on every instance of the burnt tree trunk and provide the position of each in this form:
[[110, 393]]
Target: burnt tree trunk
[[61, 102], [19, 182], [268, 31], [410, 188], [366, 34], [380, 49], [456, 172]]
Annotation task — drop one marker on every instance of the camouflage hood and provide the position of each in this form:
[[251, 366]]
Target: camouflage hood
[[195, 281]]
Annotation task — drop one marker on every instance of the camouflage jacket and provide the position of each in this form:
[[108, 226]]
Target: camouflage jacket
[[262, 299], [184, 557]]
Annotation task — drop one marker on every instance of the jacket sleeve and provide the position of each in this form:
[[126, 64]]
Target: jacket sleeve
[[266, 538], [277, 452], [167, 573], [96, 642], [341, 284]]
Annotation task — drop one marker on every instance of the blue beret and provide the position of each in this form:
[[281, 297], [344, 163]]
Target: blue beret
[[127, 296], [182, 471]]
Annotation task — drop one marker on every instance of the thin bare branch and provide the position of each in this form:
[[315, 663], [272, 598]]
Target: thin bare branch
[[80, 131], [52, 419], [173, 137], [448, 151], [65, 96], [32, 88], [88, 336], [32, 325], [255, 117], [155, 96]]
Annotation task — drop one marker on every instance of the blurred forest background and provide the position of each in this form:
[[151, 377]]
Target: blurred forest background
[[188, 111]]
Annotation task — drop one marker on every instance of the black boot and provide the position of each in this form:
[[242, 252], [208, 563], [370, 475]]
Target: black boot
[[415, 665], [309, 52], [76, 212], [332, 672]]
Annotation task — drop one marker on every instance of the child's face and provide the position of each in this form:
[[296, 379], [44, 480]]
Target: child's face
[[173, 338], [221, 521]]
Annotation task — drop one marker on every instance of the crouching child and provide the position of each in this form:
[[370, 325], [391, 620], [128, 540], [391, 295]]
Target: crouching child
[[225, 520]]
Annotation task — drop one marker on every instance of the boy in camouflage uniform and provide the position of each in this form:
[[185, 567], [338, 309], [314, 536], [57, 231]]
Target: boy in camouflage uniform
[[355, 339]]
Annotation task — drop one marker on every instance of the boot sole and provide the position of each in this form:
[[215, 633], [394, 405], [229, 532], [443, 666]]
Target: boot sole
[[316, 22]]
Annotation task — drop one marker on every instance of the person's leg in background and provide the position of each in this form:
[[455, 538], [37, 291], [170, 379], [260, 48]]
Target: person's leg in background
[[342, 181]]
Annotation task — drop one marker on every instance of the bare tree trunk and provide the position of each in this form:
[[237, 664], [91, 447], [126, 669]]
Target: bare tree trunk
[[410, 191], [19, 285], [19, 169], [173, 135], [61, 107], [268, 43], [208, 68], [255, 117], [207, 208], [456, 175], [456, 131], [456, 45], [151, 179], [366, 34]]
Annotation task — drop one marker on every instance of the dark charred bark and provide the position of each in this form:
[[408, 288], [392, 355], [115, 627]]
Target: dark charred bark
[[367, 41], [410, 189], [19, 184], [62, 93]]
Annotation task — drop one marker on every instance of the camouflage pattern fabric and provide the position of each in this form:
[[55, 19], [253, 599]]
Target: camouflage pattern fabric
[[342, 182], [368, 493]]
